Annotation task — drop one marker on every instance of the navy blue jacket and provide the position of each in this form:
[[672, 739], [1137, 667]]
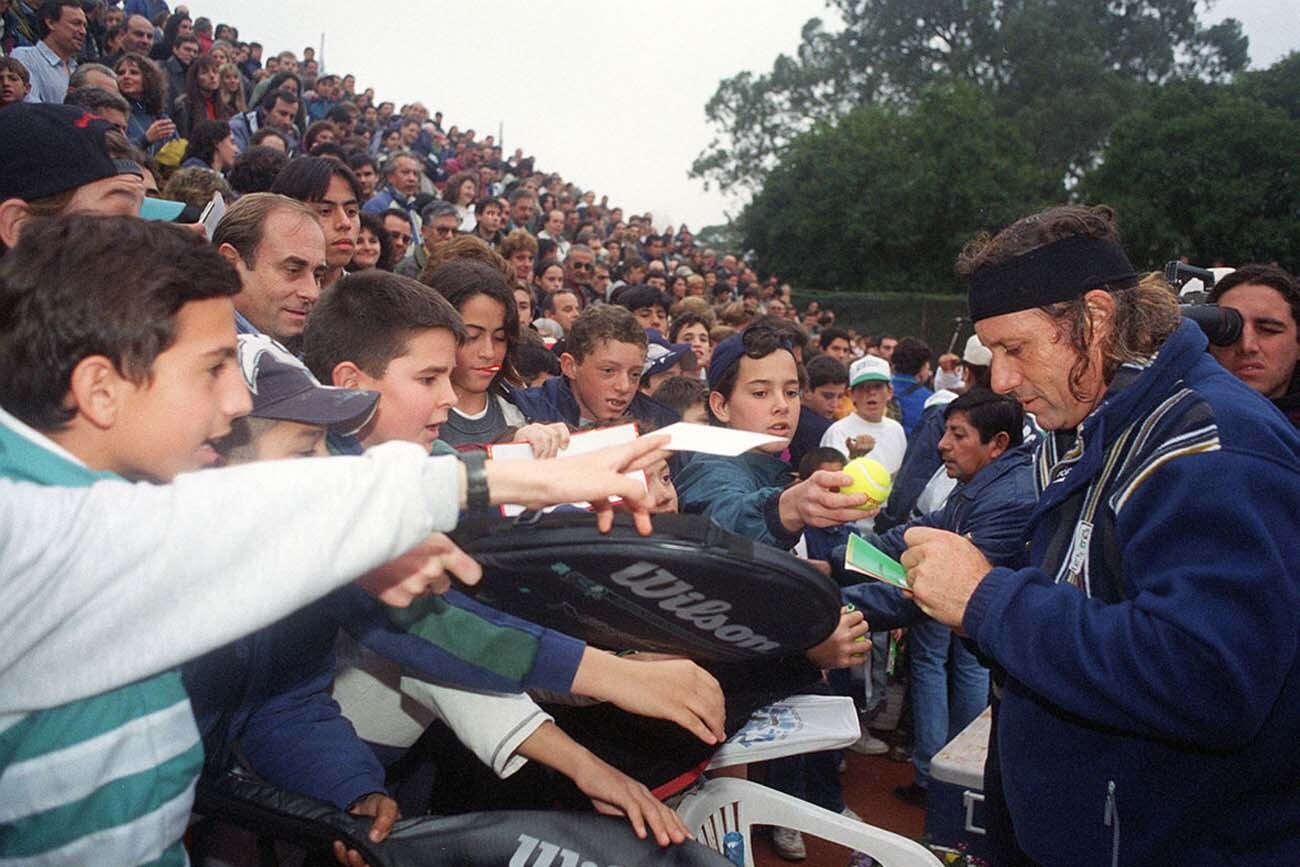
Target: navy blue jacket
[[270, 690], [1151, 647], [553, 401], [993, 508], [919, 465], [807, 434]]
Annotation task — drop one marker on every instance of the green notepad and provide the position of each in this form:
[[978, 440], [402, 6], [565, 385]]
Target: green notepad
[[864, 557]]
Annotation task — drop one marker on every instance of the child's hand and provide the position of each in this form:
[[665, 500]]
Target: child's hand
[[817, 502], [593, 477], [677, 690], [860, 445], [614, 793], [843, 649], [426, 568], [547, 440], [385, 813]]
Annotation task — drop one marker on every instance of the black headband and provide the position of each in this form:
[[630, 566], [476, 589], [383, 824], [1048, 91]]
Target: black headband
[[1060, 271]]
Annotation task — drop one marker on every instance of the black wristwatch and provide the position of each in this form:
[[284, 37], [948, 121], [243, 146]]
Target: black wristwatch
[[476, 483]]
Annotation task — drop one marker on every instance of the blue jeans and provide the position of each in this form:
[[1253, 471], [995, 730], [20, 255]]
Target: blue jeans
[[877, 673], [949, 689], [811, 777]]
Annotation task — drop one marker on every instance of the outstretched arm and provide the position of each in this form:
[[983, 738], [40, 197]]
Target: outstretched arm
[[612, 792]]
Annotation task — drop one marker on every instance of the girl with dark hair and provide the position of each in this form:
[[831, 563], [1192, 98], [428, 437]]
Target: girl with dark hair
[[374, 249], [548, 277], [211, 146], [177, 25], [461, 190], [202, 98], [145, 88], [484, 362]]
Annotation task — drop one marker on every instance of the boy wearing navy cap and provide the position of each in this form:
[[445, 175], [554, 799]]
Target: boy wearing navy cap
[[754, 385], [57, 159], [291, 412], [664, 360]]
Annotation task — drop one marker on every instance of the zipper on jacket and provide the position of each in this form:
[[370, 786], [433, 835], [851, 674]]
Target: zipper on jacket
[[1112, 821]]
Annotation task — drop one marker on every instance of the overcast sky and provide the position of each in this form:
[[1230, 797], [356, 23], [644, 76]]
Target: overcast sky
[[610, 94]]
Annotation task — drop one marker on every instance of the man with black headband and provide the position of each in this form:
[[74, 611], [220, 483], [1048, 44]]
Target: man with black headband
[[1147, 653]]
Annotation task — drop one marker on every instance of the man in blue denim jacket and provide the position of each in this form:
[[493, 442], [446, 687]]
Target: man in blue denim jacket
[[982, 448]]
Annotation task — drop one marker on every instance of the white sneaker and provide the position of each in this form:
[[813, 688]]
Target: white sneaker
[[869, 745], [789, 844]]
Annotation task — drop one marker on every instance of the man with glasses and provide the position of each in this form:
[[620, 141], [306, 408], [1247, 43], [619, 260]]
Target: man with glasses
[[579, 268], [439, 223]]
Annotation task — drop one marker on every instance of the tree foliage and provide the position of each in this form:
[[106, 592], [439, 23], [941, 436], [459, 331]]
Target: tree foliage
[[1209, 172], [1062, 70], [885, 198]]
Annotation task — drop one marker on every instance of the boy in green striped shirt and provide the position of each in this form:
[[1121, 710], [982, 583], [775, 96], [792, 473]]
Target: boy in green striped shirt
[[117, 343]]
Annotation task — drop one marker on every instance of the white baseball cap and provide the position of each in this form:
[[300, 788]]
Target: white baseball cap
[[977, 353], [869, 368]]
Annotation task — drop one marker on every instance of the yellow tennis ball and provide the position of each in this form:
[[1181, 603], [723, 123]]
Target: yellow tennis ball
[[869, 477]]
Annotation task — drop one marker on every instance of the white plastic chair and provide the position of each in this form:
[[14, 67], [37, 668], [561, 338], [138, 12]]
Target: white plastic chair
[[790, 727], [799, 724], [726, 804]]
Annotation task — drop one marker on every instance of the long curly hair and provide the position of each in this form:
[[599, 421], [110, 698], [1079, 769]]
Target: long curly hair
[[1146, 313], [153, 88]]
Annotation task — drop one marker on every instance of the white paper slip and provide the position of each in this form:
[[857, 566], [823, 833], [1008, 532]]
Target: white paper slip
[[212, 214], [579, 443], [687, 437]]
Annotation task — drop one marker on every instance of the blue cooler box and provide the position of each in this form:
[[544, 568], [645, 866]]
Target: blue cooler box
[[954, 806]]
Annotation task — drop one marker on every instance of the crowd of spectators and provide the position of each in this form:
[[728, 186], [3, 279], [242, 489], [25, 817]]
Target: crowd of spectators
[[455, 296]]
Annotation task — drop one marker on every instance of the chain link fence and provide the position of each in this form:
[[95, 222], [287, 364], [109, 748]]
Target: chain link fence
[[933, 318]]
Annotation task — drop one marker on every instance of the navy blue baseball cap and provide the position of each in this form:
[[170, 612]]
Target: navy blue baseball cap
[[284, 389], [725, 355], [729, 352], [661, 355], [47, 149]]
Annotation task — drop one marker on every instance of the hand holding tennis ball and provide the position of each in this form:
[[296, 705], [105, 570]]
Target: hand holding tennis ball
[[871, 478]]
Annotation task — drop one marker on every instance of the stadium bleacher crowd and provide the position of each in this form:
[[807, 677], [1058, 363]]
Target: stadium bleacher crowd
[[324, 274]]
